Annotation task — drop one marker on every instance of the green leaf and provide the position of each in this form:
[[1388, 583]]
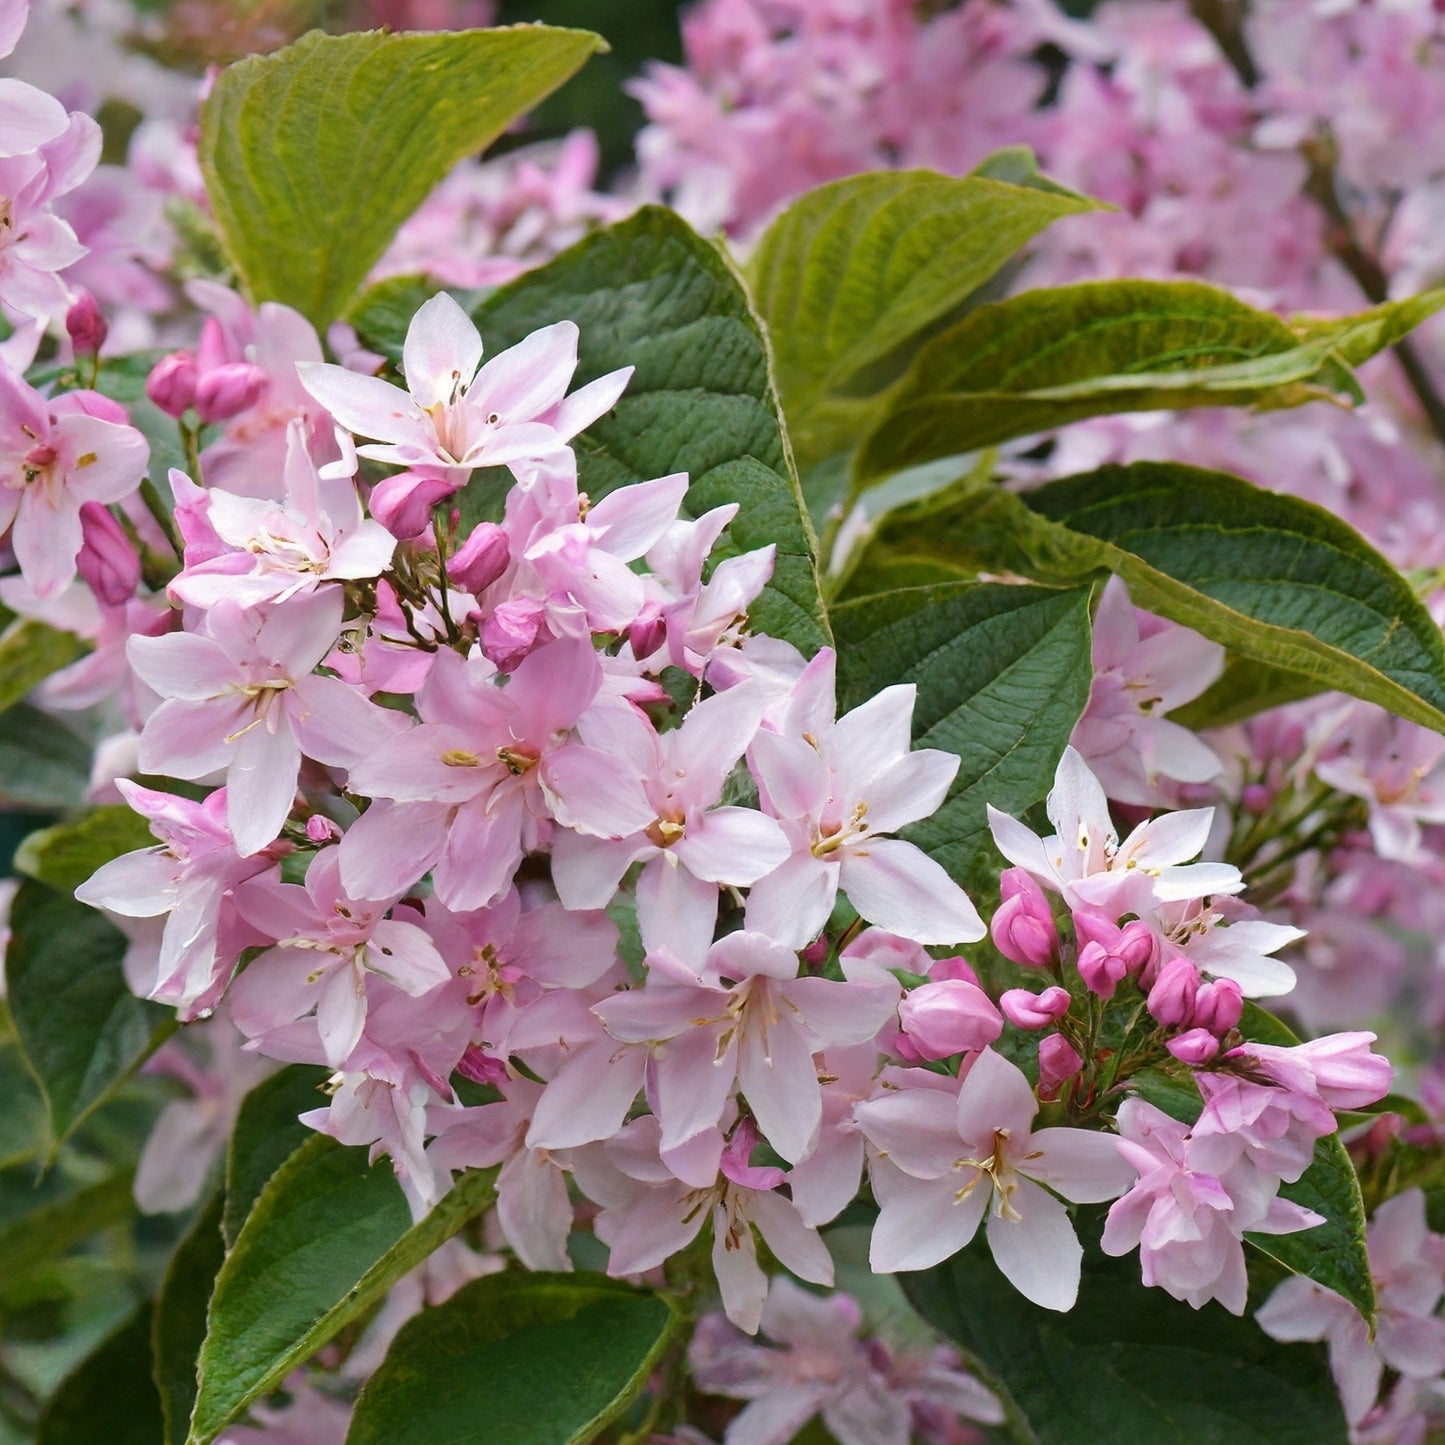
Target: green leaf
[[314, 156], [110, 1395], [1046, 358], [29, 652], [1129, 1364], [541, 1359], [1275, 579], [179, 1326], [328, 1236], [42, 763], [40, 1223], [22, 1119], [651, 293], [268, 1132], [855, 268], [1003, 674], [82, 1030], [64, 856]]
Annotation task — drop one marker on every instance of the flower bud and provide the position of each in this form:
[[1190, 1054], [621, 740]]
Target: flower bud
[[403, 503], [1023, 928], [107, 561], [320, 829], [511, 632], [481, 559], [954, 966], [1218, 1006], [1256, 799], [1031, 1011], [85, 325], [171, 384], [1138, 946], [1195, 1047], [1171, 1000], [227, 391], [1101, 970], [648, 632], [947, 1018], [1059, 1060], [481, 1067]]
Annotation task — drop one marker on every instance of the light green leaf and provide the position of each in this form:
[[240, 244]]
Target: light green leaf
[[651, 293], [82, 1030], [1129, 1364], [64, 856], [327, 1237], [1275, 579], [1002, 673], [179, 1324], [853, 269], [39, 1223], [110, 1396], [542, 1359], [314, 156], [1049, 357], [29, 652]]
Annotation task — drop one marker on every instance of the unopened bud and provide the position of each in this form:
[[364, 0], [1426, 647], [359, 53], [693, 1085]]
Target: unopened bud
[[647, 633], [321, 829], [511, 632], [171, 384], [403, 503], [85, 325], [1023, 928], [1171, 1000], [1218, 1006], [1059, 1060], [1197, 1046], [108, 562], [227, 391], [1033, 1011], [481, 559], [1101, 970], [947, 1018]]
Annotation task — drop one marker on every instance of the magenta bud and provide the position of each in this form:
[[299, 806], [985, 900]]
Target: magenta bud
[[172, 383], [1218, 1006], [815, 955], [947, 1018], [1023, 928], [511, 632], [1058, 1060], [647, 633], [1032, 1011], [403, 503], [1171, 1000], [108, 561], [1101, 970], [85, 325], [320, 829], [229, 390], [482, 558], [1256, 799], [481, 1067], [1195, 1047], [954, 966], [1138, 946]]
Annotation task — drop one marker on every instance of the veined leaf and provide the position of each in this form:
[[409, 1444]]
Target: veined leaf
[[179, 1322], [29, 652], [109, 1395]]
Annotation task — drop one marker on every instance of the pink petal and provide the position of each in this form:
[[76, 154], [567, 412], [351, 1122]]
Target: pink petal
[[441, 353], [900, 888], [1039, 1253]]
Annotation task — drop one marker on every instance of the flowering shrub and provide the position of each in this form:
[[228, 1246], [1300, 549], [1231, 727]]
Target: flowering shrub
[[535, 701]]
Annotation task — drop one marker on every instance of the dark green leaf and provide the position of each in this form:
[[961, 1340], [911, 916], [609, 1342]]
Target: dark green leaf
[[854, 268], [22, 1119], [29, 652], [64, 856], [82, 1030], [1049, 357], [267, 1133], [180, 1317], [1129, 1364], [650, 293], [1243, 689], [331, 143], [530, 1359], [40, 1223], [1275, 579], [327, 1237], [42, 763], [110, 1396], [1003, 674]]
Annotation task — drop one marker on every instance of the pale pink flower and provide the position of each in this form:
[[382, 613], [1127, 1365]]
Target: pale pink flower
[[941, 1159]]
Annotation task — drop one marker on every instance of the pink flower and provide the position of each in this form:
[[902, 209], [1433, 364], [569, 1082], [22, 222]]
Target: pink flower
[[941, 1159], [951, 1016]]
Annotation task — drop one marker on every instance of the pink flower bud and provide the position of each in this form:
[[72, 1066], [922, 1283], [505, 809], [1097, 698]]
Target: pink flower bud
[[403, 503], [1218, 1006], [89, 403], [947, 1018], [481, 1067], [481, 559], [229, 390], [1256, 799], [171, 384], [1058, 1060], [1023, 928], [321, 829], [85, 325], [1031, 1011], [1195, 1047], [1171, 1000], [954, 966], [213, 350], [815, 955], [1138, 946], [107, 561], [648, 632], [1101, 970], [511, 632]]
